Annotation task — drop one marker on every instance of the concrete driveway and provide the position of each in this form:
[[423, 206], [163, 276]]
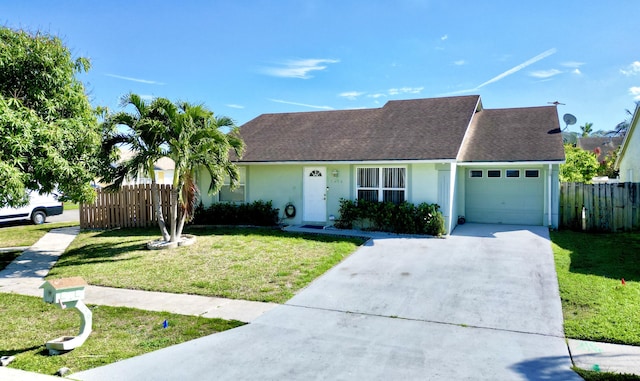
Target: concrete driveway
[[481, 304]]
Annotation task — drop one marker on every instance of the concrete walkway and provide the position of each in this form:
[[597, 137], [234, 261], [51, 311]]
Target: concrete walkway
[[25, 275]]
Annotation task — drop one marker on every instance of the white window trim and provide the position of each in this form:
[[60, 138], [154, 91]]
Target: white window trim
[[531, 177], [380, 188], [241, 184], [494, 177], [476, 170], [513, 177]]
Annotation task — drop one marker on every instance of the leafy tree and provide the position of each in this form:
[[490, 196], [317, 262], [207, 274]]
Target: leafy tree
[[607, 166], [586, 129], [580, 167], [570, 137], [189, 134], [49, 135], [196, 141], [143, 135]]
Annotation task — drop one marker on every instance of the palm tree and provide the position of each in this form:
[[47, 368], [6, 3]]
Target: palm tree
[[145, 127], [586, 129], [195, 141]]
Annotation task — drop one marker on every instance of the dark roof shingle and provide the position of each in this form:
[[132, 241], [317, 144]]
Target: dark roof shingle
[[420, 129], [606, 145], [514, 134]]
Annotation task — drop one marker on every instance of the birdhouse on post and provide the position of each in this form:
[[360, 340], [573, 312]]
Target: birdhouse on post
[[68, 293], [63, 291]]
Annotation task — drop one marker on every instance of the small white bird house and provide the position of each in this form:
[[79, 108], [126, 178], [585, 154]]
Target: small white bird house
[[63, 290]]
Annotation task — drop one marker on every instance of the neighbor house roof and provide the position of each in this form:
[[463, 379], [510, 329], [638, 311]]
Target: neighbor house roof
[[419, 129], [514, 134], [606, 145], [163, 164]]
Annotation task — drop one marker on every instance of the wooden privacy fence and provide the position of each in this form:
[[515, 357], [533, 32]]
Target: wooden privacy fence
[[131, 206], [600, 207]]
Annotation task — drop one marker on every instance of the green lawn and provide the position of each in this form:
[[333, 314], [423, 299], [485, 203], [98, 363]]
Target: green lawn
[[71, 206], [239, 263], [27, 234], [595, 303], [27, 323], [8, 257]]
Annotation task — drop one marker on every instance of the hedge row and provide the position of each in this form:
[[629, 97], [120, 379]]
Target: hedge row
[[404, 218], [258, 213]]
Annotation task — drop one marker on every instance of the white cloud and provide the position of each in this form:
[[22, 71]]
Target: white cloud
[[299, 68], [513, 70], [376, 95], [572, 64], [150, 82], [632, 69], [577, 71], [301, 104], [405, 90], [445, 37], [235, 106], [147, 97], [545, 73], [635, 91], [351, 95], [519, 67], [459, 62]]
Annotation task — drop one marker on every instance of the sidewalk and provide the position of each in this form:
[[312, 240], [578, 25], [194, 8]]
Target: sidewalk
[[25, 275], [605, 357]]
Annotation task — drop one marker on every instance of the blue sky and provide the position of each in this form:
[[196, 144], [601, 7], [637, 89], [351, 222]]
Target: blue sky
[[246, 58]]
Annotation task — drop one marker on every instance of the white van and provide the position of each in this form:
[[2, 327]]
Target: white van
[[38, 209]]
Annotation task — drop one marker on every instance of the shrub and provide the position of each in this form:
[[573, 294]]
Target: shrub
[[404, 218], [259, 213]]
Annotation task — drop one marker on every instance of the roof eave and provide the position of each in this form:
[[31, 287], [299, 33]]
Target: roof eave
[[346, 162], [627, 139], [509, 163]]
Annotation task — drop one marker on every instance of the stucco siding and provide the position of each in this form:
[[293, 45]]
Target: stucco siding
[[423, 183], [280, 184], [630, 163], [339, 186]]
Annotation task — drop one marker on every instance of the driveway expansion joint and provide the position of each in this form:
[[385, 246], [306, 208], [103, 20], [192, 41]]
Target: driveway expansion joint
[[396, 317]]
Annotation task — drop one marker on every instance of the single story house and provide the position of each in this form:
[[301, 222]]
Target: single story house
[[163, 169], [488, 165], [602, 146], [628, 162]]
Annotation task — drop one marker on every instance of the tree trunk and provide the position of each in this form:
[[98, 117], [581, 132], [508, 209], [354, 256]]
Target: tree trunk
[[174, 213], [183, 217], [155, 196]]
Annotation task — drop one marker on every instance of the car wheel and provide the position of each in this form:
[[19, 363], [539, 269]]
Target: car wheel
[[38, 217]]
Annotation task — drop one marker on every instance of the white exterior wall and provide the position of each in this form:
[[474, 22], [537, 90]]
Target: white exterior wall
[[422, 183], [630, 162]]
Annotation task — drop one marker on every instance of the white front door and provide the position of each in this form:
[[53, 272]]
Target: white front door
[[315, 194]]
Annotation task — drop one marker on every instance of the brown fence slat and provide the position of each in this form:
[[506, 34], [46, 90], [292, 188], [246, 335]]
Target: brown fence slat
[[608, 207], [131, 206]]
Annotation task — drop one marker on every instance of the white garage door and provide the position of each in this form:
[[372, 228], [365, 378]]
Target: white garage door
[[504, 196]]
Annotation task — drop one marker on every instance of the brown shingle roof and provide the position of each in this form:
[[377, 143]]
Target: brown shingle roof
[[514, 134], [420, 129], [606, 144]]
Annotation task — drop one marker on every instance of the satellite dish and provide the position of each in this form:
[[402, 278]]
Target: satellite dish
[[569, 119]]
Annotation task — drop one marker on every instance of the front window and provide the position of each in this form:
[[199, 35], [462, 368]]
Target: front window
[[381, 184], [236, 195]]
